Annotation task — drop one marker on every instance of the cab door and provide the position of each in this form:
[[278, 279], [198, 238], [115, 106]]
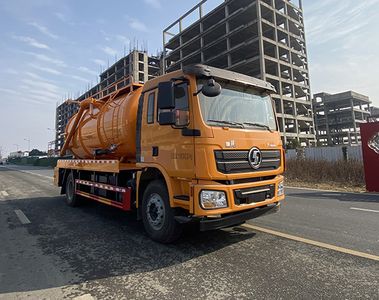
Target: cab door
[[170, 146]]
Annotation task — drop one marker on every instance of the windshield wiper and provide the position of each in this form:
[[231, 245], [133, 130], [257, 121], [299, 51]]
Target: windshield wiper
[[227, 123], [259, 125]]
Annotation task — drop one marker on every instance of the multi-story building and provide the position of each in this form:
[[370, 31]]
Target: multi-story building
[[260, 38], [137, 66], [337, 117], [63, 114], [374, 114]]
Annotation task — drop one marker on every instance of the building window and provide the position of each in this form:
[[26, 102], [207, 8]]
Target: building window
[[150, 108], [141, 67]]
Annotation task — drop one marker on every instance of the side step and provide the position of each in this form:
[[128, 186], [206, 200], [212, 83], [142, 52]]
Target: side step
[[126, 194]]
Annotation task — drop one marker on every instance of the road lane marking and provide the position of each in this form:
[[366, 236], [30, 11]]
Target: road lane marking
[[31, 173], [4, 193], [364, 209], [21, 216], [312, 242], [84, 297]]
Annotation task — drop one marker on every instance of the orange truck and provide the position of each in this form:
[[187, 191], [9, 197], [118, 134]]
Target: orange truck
[[198, 145]]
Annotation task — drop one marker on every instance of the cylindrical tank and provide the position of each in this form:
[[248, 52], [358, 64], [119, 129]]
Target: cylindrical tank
[[108, 129]]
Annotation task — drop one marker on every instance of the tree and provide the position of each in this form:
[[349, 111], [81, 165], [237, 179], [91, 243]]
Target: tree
[[36, 152]]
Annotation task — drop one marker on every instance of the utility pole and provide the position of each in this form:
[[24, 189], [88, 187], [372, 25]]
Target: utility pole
[[51, 145], [17, 145]]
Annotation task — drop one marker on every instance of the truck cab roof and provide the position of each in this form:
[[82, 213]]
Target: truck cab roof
[[204, 71]]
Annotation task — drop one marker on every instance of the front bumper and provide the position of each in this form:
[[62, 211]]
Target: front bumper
[[233, 191], [238, 218]]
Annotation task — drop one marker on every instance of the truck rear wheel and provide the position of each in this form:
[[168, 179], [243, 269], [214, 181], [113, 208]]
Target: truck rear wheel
[[157, 215], [71, 198]]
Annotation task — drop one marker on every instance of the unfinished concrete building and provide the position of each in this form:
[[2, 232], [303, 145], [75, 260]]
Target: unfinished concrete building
[[63, 113], [137, 66], [337, 117], [261, 38]]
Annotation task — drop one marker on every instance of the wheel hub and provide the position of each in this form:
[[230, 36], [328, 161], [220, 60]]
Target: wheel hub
[[155, 211]]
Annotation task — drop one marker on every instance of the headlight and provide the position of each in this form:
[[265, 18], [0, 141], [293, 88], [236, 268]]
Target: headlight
[[281, 188], [213, 199]]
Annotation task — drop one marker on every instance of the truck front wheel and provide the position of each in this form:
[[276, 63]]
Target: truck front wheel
[[157, 215]]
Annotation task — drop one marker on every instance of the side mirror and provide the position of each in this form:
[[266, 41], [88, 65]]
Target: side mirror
[[166, 99], [211, 89], [167, 118], [179, 92]]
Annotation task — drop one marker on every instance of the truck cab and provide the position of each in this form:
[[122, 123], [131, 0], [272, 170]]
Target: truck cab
[[212, 134]]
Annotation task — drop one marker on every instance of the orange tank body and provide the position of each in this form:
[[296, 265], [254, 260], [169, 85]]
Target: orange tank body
[[108, 126]]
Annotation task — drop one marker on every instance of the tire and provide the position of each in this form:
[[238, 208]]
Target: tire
[[157, 215], [71, 198]]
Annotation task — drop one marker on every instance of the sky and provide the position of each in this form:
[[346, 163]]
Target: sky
[[52, 50]]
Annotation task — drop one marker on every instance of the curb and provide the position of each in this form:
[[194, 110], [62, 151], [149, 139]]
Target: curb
[[331, 191]]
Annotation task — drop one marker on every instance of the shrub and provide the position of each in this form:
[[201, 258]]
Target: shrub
[[35, 161], [348, 172]]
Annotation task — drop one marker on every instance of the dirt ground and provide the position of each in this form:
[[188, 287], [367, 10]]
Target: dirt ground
[[326, 186]]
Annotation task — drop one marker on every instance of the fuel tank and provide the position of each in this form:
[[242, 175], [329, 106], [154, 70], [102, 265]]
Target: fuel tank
[[106, 128]]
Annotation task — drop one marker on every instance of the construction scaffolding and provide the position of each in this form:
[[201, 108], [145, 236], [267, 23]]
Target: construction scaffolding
[[261, 38], [337, 117]]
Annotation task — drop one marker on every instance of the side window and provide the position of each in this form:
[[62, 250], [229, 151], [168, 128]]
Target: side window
[[150, 108], [181, 104]]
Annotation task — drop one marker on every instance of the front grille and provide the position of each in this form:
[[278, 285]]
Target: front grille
[[236, 161], [254, 195], [246, 180]]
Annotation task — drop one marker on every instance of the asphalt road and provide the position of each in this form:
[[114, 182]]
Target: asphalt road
[[99, 252]]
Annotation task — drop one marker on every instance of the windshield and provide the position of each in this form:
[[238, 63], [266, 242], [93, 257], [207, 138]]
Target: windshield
[[237, 106]]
